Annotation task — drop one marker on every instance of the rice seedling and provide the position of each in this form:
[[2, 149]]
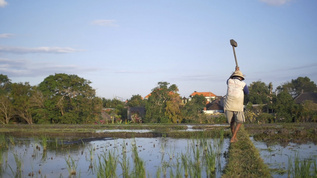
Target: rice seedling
[[56, 143], [11, 140], [124, 161], [3, 142], [1, 160], [210, 161], [44, 142], [196, 163], [71, 166], [178, 169], [18, 172], [91, 153], [44, 155], [164, 168], [301, 168], [139, 169], [184, 159], [222, 133], [315, 168], [171, 173], [107, 165], [158, 172]]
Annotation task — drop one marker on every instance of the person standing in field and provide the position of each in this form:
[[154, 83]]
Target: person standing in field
[[233, 105]]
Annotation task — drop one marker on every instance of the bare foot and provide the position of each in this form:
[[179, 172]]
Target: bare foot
[[233, 140]]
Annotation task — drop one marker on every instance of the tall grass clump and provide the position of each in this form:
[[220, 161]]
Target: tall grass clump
[[3, 147], [195, 163], [11, 140], [44, 142], [185, 165], [210, 161], [222, 133], [71, 166], [107, 165], [18, 162], [3, 142], [139, 168], [302, 168], [124, 161]]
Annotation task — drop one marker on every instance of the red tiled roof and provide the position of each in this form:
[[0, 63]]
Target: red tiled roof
[[205, 94], [147, 96]]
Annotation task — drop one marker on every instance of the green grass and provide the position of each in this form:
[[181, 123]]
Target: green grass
[[82, 131], [244, 159], [302, 168], [71, 166]]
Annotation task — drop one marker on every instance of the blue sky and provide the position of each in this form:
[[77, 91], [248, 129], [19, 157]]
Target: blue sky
[[126, 47]]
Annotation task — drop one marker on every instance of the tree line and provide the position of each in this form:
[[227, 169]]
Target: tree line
[[69, 99], [265, 105]]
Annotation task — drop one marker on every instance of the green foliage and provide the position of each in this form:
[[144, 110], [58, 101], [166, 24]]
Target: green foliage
[[63, 98], [163, 105], [5, 84], [265, 118], [297, 86], [69, 99], [119, 112], [284, 105], [259, 93], [192, 112], [308, 112], [21, 99], [136, 100]]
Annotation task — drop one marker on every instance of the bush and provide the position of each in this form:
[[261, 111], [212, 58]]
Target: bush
[[265, 118]]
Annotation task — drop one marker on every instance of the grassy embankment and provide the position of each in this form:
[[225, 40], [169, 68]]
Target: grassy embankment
[[244, 159], [101, 131]]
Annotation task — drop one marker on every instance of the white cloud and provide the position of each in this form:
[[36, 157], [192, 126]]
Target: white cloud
[[108, 23], [23, 50], [3, 3], [6, 35], [28, 68], [275, 2]]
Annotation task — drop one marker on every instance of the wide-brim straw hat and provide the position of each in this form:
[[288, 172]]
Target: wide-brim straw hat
[[237, 73]]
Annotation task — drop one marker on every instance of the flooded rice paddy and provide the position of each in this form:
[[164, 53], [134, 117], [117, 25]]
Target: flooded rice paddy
[[149, 156], [289, 160], [27, 157]]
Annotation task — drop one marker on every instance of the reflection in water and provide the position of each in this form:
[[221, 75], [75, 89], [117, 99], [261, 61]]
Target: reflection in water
[[85, 158]]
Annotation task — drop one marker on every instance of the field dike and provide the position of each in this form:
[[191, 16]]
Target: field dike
[[244, 159]]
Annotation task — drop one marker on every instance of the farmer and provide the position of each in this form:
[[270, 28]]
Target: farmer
[[233, 106]]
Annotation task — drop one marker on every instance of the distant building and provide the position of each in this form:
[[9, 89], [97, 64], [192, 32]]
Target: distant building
[[208, 95], [216, 106], [300, 99]]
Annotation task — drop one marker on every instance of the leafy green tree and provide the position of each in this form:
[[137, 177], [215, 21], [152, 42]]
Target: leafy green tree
[[163, 105], [173, 110], [5, 84], [21, 99], [69, 99], [136, 100], [192, 112], [6, 107], [308, 112], [40, 114], [259, 93], [284, 107], [120, 110], [297, 86]]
